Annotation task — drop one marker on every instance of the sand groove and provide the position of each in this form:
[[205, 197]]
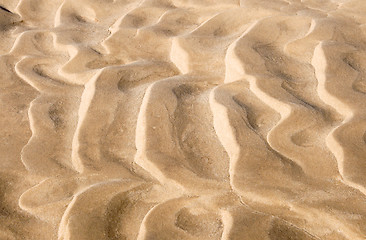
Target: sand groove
[[182, 119]]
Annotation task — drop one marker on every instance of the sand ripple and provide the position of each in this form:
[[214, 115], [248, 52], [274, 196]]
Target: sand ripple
[[182, 119]]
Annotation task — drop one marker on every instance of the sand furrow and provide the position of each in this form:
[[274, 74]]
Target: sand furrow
[[167, 151], [86, 202], [189, 218], [100, 123], [249, 163], [48, 116], [210, 40], [336, 88], [260, 64]]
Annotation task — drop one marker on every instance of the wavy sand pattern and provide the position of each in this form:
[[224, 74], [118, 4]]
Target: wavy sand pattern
[[183, 119]]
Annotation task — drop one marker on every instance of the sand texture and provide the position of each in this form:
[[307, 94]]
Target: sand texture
[[183, 119]]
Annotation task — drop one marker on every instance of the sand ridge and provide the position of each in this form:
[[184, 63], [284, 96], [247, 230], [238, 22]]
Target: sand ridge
[[182, 119]]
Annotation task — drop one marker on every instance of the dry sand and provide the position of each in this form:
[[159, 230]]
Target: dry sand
[[183, 119]]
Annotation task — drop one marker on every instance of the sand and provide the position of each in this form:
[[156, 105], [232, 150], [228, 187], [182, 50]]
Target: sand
[[183, 119]]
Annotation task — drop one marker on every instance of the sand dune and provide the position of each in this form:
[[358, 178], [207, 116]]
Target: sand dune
[[182, 119]]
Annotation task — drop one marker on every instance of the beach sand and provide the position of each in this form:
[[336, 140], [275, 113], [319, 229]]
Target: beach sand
[[183, 119]]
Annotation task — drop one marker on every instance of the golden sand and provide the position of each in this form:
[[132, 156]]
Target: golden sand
[[183, 119]]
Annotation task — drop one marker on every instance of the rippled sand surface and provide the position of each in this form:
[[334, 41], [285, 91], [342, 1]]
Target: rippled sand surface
[[183, 119]]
